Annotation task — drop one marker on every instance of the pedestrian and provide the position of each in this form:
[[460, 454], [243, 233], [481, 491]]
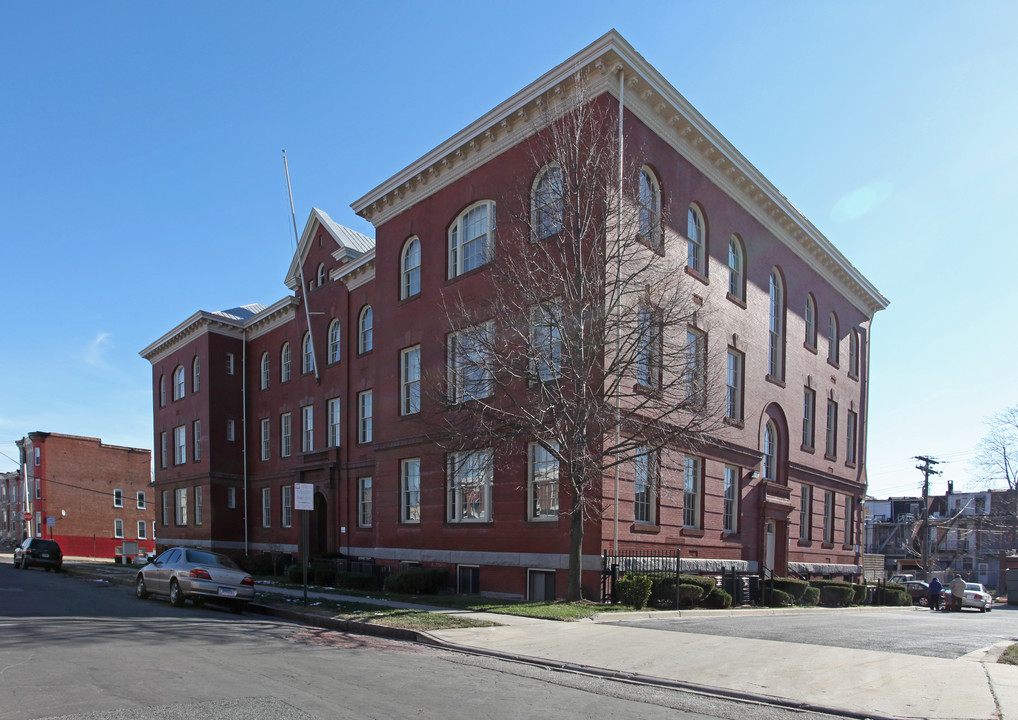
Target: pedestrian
[[957, 592], [936, 587]]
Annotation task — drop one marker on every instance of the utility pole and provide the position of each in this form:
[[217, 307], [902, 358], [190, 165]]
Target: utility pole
[[926, 469]]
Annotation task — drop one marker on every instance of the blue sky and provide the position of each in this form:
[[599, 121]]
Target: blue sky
[[141, 175]]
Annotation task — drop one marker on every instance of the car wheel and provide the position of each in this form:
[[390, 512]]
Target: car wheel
[[176, 596], [237, 608], [139, 588], [923, 602], [982, 609]]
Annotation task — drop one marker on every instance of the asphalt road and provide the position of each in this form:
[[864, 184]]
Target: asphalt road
[[79, 649], [915, 632]]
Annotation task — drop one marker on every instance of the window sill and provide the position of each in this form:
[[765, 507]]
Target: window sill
[[697, 275], [467, 273], [848, 547], [849, 464], [691, 532], [645, 528], [834, 364], [808, 449], [804, 543], [810, 348], [726, 535], [853, 376], [734, 422], [832, 458], [737, 300], [827, 546], [775, 380], [543, 520], [410, 298]]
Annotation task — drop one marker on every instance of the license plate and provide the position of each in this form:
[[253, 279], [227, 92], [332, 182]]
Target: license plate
[[44, 555], [227, 592]]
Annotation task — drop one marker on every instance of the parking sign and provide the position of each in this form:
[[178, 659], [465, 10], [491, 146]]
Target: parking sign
[[303, 496]]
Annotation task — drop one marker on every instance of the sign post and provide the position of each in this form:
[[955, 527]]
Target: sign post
[[304, 500]]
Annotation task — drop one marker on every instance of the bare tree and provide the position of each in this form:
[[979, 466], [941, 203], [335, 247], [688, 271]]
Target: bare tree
[[996, 459], [588, 344]]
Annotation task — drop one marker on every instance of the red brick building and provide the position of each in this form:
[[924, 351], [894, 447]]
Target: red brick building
[[88, 496], [242, 412]]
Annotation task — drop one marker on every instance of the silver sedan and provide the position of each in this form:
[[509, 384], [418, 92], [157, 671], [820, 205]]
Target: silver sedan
[[198, 575]]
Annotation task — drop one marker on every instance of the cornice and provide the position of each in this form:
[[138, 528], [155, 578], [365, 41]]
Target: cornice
[[359, 272], [656, 103], [272, 317]]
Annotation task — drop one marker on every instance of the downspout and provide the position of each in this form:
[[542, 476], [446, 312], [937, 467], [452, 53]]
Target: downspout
[[618, 320], [243, 425]]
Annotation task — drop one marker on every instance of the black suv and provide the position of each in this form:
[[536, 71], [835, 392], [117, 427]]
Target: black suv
[[38, 551]]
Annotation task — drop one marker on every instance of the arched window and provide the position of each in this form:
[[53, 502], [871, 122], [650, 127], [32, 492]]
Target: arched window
[[334, 345], [650, 208], [410, 265], [195, 374], [832, 338], [472, 238], [178, 382], [547, 203], [265, 370], [770, 452], [777, 326], [365, 331], [322, 274], [696, 232], [853, 353], [811, 321], [307, 362], [162, 391], [284, 363], [736, 269]]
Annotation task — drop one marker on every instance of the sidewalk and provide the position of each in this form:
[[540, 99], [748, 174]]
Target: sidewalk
[[854, 683]]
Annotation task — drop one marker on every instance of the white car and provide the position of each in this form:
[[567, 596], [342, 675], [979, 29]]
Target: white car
[[198, 575], [977, 596]]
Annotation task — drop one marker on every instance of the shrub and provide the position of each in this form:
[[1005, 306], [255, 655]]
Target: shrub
[[634, 589], [690, 594], [810, 597], [859, 594], [706, 583], [417, 581], [778, 598], [793, 586], [662, 591], [719, 599], [262, 563], [357, 581], [296, 574], [836, 595]]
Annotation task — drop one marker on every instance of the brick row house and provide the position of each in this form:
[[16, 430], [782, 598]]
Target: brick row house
[[88, 496], [11, 512], [328, 386]]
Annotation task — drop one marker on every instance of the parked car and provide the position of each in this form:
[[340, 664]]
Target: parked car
[[919, 591], [40, 552], [976, 596], [196, 575]]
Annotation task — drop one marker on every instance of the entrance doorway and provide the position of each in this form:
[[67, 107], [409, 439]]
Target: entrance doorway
[[318, 532], [770, 536]]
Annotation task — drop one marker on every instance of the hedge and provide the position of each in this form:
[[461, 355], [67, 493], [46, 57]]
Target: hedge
[[793, 586], [859, 596], [810, 597], [707, 583], [778, 598], [357, 581], [263, 563], [690, 594], [836, 595], [634, 589], [719, 599], [662, 591], [417, 581]]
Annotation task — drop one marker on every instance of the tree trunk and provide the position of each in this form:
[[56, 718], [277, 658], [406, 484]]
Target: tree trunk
[[574, 590]]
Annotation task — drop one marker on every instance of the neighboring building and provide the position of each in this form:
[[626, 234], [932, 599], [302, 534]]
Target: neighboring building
[[88, 496], [242, 410], [12, 523]]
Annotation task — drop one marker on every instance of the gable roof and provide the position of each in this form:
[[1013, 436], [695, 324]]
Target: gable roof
[[350, 243]]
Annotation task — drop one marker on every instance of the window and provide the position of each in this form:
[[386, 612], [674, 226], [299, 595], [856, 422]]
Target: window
[[141, 500], [546, 340], [162, 391], [333, 408], [195, 375], [776, 345], [265, 438], [266, 369], [334, 341], [471, 239], [649, 227], [364, 502], [141, 529], [805, 512], [696, 367], [831, 450], [410, 380], [853, 353], [197, 440], [284, 435], [287, 504], [38, 456], [118, 528], [832, 339], [540, 585], [736, 272], [468, 579], [179, 445], [770, 451], [364, 414], [178, 382], [733, 390], [231, 498], [547, 203], [284, 363], [307, 356], [849, 518], [643, 488], [322, 274], [180, 506], [166, 507], [469, 351], [266, 507], [307, 435], [850, 438], [231, 430], [691, 492], [648, 347], [542, 483], [410, 269], [811, 321], [731, 507], [809, 408], [365, 330], [410, 490], [470, 476], [199, 506], [229, 363], [828, 516], [118, 498], [696, 256]]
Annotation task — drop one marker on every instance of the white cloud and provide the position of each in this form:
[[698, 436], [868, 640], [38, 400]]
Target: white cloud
[[94, 351]]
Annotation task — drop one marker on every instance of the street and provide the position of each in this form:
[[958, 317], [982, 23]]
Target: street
[[82, 649]]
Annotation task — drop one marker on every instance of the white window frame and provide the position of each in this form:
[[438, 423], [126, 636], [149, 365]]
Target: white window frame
[[546, 340], [285, 435], [736, 269], [829, 504], [410, 380], [163, 456], [162, 391], [364, 502], [286, 504], [307, 428], [118, 528], [469, 372], [199, 505], [179, 445], [166, 507], [230, 364], [809, 417], [648, 350], [333, 409], [806, 512], [811, 321], [196, 439], [410, 269], [266, 507], [469, 486], [731, 493], [118, 498], [141, 500], [285, 369], [831, 447], [366, 330], [851, 430], [692, 489], [265, 438], [479, 221], [733, 385], [649, 208], [142, 530], [547, 202], [542, 482], [410, 490], [195, 374], [770, 451], [266, 369], [696, 367], [231, 430], [322, 275], [307, 354], [365, 412], [335, 340], [849, 524], [853, 353], [696, 235], [776, 326], [833, 343], [179, 386], [180, 507]]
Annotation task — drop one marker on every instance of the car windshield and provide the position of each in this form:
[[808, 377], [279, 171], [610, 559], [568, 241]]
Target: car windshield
[[47, 545], [200, 557], [974, 586]]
